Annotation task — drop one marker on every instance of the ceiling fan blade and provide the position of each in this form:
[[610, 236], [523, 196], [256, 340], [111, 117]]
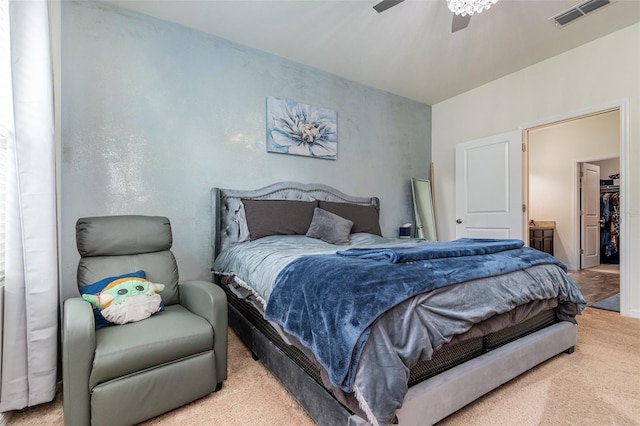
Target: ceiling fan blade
[[459, 22], [386, 4]]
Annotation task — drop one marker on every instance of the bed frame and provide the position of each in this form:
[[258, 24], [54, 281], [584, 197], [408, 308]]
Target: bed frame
[[445, 392]]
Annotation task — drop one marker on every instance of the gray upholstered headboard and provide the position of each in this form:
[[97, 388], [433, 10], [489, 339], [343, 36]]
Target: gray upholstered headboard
[[229, 224]]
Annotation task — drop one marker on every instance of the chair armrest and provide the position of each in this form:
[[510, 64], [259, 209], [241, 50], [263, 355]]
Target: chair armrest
[[209, 301], [78, 347]]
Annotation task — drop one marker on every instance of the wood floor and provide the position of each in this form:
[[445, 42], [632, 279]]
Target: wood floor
[[596, 284]]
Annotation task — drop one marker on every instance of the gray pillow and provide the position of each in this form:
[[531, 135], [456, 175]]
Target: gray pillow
[[278, 217], [329, 227], [364, 218]]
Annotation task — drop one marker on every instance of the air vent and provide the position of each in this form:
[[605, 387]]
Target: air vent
[[578, 11]]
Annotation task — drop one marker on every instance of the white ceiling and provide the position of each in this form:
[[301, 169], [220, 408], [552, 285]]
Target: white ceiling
[[409, 49]]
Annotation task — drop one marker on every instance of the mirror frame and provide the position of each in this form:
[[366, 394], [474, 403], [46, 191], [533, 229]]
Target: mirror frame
[[423, 209]]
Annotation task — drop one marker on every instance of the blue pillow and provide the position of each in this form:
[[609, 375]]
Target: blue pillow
[[98, 286]]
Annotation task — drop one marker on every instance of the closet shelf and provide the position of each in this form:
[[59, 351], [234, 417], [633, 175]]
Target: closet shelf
[[609, 188]]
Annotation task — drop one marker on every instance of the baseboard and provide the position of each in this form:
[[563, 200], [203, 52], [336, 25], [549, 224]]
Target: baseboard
[[634, 313]]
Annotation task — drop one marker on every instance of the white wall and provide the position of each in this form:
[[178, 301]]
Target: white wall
[[608, 167], [602, 72], [554, 152]]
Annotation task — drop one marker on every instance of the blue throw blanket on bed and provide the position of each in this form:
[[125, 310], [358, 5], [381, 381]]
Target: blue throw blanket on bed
[[328, 302], [457, 248]]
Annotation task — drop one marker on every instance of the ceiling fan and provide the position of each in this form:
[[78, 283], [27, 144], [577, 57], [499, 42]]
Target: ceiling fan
[[459, 22]]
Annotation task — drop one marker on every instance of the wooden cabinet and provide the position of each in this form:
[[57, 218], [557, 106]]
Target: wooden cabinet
[[541, 239]]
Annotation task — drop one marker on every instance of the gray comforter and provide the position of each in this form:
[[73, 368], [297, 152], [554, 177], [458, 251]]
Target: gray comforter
[[257, 263], [414, 329]]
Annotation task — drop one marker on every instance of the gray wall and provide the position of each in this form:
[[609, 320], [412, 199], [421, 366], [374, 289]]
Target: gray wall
[[155, 114]]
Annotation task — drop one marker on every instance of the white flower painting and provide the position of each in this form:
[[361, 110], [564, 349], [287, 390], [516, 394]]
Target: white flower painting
[[300, 129]]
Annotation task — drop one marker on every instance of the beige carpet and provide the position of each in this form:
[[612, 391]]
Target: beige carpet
[[599, 384]]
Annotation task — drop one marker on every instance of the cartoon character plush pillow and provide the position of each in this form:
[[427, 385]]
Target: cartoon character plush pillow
[[128, 299]]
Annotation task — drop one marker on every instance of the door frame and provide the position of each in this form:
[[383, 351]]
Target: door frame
[[623, 106]]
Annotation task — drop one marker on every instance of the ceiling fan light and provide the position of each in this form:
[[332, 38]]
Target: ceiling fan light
[[469, 7]]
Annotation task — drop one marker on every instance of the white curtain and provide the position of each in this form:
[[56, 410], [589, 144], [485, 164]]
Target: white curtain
[[30, 322]]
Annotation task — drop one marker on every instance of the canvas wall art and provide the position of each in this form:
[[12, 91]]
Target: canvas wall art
[[301, 129]]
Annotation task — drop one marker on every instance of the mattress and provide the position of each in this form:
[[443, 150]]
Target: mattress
[[449, 355]]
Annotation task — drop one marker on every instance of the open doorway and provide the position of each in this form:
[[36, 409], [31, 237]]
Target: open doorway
[[599, 274], [557, 173], [608, 203]]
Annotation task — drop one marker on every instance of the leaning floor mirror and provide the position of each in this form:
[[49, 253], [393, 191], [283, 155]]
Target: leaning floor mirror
[[423, 208]]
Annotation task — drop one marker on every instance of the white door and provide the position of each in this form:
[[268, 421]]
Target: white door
[[589, 215], [489, 187]]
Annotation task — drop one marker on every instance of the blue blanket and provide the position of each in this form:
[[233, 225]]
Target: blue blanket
[[457, 248], [328, 302]]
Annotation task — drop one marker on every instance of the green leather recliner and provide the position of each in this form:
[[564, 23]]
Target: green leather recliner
[[125, 374]]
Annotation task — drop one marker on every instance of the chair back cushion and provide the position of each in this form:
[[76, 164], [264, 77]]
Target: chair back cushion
[[116, 245]]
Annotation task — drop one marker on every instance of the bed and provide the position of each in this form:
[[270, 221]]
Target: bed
[[363, 329]]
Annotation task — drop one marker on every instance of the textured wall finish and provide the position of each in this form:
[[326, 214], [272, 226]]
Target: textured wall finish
[[154, 115]]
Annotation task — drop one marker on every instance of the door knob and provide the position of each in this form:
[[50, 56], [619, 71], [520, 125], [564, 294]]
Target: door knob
[[459, 221]]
